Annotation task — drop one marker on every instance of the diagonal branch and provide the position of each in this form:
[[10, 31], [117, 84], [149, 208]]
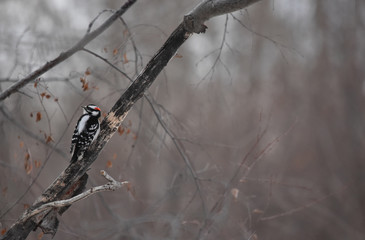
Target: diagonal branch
[[89, 36], [69, 177], [194, 20], [170, 133]]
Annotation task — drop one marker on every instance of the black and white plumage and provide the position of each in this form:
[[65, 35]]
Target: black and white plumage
[[86, 130]]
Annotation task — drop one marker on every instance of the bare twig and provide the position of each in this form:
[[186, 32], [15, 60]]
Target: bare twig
[[305, 206], [109, 63], [112, 185], [277, 44], [93, 21], [222, 201], [29, 133], [182, 153], [136, 51], [16, 61], [218, 58], [48, 79], [275, 182]]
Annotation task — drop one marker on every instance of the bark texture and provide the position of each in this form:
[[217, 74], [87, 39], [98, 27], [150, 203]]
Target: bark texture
[[194, 20]]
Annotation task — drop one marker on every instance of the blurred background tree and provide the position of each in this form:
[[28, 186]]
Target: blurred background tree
[[281, 82]]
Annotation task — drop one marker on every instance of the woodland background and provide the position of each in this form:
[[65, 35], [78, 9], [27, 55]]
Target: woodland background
[[272, 97]]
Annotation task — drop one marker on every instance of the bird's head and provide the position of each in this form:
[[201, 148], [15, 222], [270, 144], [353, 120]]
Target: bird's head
[[92, 109]]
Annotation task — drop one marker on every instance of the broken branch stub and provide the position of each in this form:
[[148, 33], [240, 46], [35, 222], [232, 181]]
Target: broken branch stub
[[194, 20]]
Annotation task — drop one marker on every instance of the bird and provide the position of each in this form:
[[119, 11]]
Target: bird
[[86, 131]]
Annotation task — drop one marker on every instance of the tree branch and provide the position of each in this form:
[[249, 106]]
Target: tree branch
[[70, 176], [89, 36], [194, 20], [112, 185]]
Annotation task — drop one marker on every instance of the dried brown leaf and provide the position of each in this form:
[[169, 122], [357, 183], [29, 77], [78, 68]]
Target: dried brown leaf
[[109, 164], [120, 130], [40, 235], [87, 72], [37, 164], [85, 86], [49, 139], [27, 156], [125, 58], [39, 117], [131, 189], [234, 192], [5, 190], [27, 165], [258, 211]]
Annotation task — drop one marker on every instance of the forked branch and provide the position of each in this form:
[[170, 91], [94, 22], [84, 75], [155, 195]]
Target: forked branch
[[112, 185], [205, 10]]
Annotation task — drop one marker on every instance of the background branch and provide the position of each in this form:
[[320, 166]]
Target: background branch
[[89, 36]]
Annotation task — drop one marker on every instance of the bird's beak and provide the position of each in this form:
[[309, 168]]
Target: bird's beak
[[84, 107]]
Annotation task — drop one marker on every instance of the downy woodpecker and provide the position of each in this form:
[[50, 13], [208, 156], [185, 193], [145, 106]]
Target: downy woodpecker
[[86, 131]]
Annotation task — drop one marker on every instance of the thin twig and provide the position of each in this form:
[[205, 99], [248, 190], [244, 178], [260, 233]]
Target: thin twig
[[182, 153], [220, 202], [279, 45], [300, 208], [136, 51], [109, 63], [112, 185], [29, 133], [218, 58]]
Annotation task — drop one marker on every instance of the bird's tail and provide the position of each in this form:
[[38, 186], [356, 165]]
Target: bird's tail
[[75, 156]]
